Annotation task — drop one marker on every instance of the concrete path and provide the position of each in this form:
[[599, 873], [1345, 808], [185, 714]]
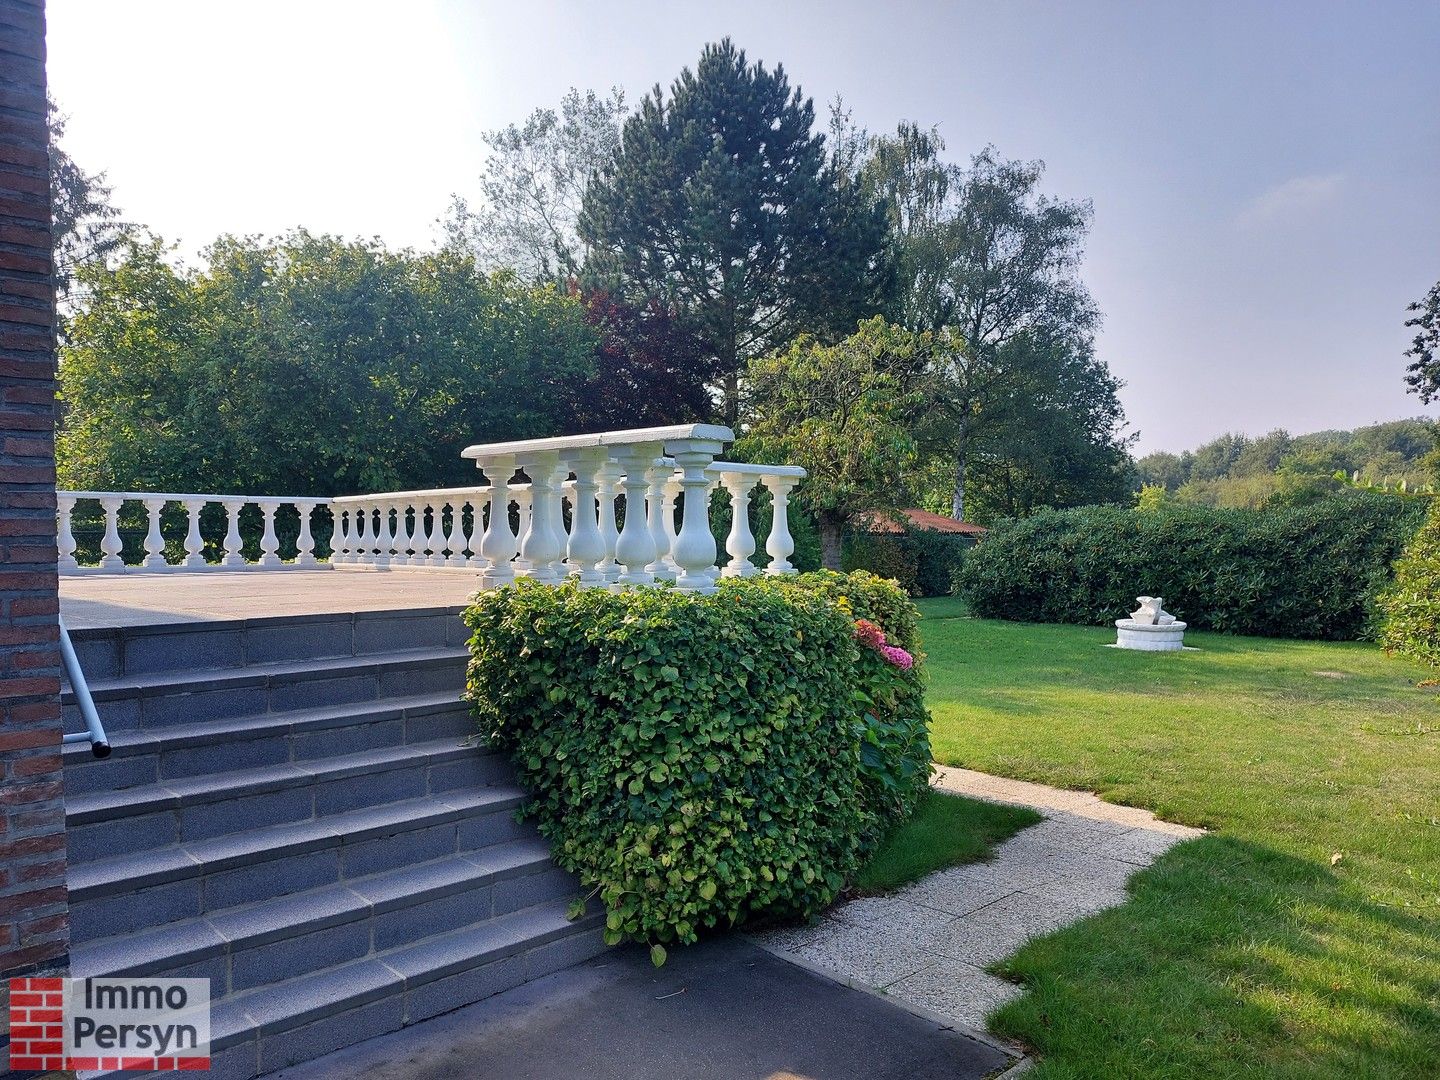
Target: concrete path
[[724, 1009], [928, 944]]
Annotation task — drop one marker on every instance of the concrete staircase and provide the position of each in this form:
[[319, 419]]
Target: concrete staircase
[[292, 810]]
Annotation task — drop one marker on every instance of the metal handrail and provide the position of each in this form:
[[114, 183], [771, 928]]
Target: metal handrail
[[94, 732]]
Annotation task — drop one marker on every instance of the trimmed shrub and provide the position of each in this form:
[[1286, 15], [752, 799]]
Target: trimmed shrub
[[895, 736], [1410, 607], [925, 562], [701, 759], [1303, 572]]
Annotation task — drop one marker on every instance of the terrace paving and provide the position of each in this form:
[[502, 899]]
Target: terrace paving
[[149, 599]]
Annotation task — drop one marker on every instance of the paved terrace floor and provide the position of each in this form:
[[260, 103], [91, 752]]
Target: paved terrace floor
[[141, 599]]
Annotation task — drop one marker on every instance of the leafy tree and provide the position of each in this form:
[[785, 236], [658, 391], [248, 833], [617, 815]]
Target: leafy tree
[[1263, 455], [1217, 457], [846, 412], [1162, 469], [1422, 376], [722, 205], [989, 264], [533, 187], [308, 366], [86, 226], [649, 369]]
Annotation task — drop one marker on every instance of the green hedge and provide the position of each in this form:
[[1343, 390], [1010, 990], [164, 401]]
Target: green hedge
[[1303, 572], [924, 561], [701, 759], [1410, 607]]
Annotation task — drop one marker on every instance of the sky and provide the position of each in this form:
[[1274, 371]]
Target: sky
[[1265, 176]]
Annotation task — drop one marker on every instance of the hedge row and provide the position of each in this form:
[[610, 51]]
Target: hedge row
[[701, 759], [1410, 607], [1302, 572]]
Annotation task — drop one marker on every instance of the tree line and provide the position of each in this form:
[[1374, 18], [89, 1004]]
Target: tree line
[[911, 327], [1239, 471]]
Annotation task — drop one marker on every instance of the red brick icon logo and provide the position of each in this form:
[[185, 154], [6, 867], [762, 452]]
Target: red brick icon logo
[[37, 1024]]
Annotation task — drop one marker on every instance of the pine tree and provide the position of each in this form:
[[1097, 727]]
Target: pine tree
[[723, 206]]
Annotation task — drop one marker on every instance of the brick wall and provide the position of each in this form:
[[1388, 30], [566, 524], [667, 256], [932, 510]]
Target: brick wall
[[34, 921]]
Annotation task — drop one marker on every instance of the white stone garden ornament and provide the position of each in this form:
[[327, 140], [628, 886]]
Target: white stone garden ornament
[[1150, 628]]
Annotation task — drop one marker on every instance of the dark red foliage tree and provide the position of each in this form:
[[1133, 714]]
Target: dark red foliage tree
[[649, 369]]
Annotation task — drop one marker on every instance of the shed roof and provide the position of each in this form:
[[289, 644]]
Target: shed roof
[[886, 522]]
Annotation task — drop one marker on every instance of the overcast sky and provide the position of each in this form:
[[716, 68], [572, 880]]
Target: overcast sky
[[1266, 177]]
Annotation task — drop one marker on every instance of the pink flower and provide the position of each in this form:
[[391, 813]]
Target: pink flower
[[868, 633], [897, 656]]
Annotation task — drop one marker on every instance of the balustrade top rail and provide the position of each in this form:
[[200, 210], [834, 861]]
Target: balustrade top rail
[[630, 436], [658, 472]]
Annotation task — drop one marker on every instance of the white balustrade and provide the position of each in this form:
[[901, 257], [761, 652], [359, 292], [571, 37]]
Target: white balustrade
[[661, 472], [152, 505]]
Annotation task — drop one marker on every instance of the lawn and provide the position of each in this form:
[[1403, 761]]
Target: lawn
[[1301, 938], [944, 831]]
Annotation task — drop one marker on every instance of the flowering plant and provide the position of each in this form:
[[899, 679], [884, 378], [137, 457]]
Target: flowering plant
[[870, 635]]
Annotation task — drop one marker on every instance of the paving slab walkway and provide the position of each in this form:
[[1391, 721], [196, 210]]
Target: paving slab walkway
[[929, 943]]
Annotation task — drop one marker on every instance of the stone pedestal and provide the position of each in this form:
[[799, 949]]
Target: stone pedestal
[[1149, 637]]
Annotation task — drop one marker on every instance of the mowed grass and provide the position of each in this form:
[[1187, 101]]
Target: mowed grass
[[1302, 937], [945, 830]]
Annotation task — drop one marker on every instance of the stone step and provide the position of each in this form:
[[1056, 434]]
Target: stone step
[[242, 947], [113, 652], [181, 811], [164, 699], [183, 750], [283, 1024], [136, 891]]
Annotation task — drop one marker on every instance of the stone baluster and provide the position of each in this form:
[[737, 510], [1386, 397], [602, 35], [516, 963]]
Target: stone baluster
[[740, 544], [670, 498], [384, 538], [65, 540], [695, 544], [522, 527], [455, 541], [474, 533], [154, 541], [305, 543], [780, 545], [428, 525], [497, 544], [234, 545], [269, 542], [587, 550], [194, 542], [360, 525], [657, 505], [408, 542], [110, 545], [340, 552], [564, 491], [427, 545], [542, 544], [635, 549], [608, 483]]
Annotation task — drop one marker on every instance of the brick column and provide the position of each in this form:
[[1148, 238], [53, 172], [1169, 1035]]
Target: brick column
[[34, 919]]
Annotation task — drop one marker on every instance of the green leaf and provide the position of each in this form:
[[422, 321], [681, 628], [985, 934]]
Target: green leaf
[[657, 955], [576, 909], [707, 890]]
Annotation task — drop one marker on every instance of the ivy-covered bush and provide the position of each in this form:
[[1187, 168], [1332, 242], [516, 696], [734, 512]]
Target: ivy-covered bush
[[1410, 607], [1303, 572], [701, 759]]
